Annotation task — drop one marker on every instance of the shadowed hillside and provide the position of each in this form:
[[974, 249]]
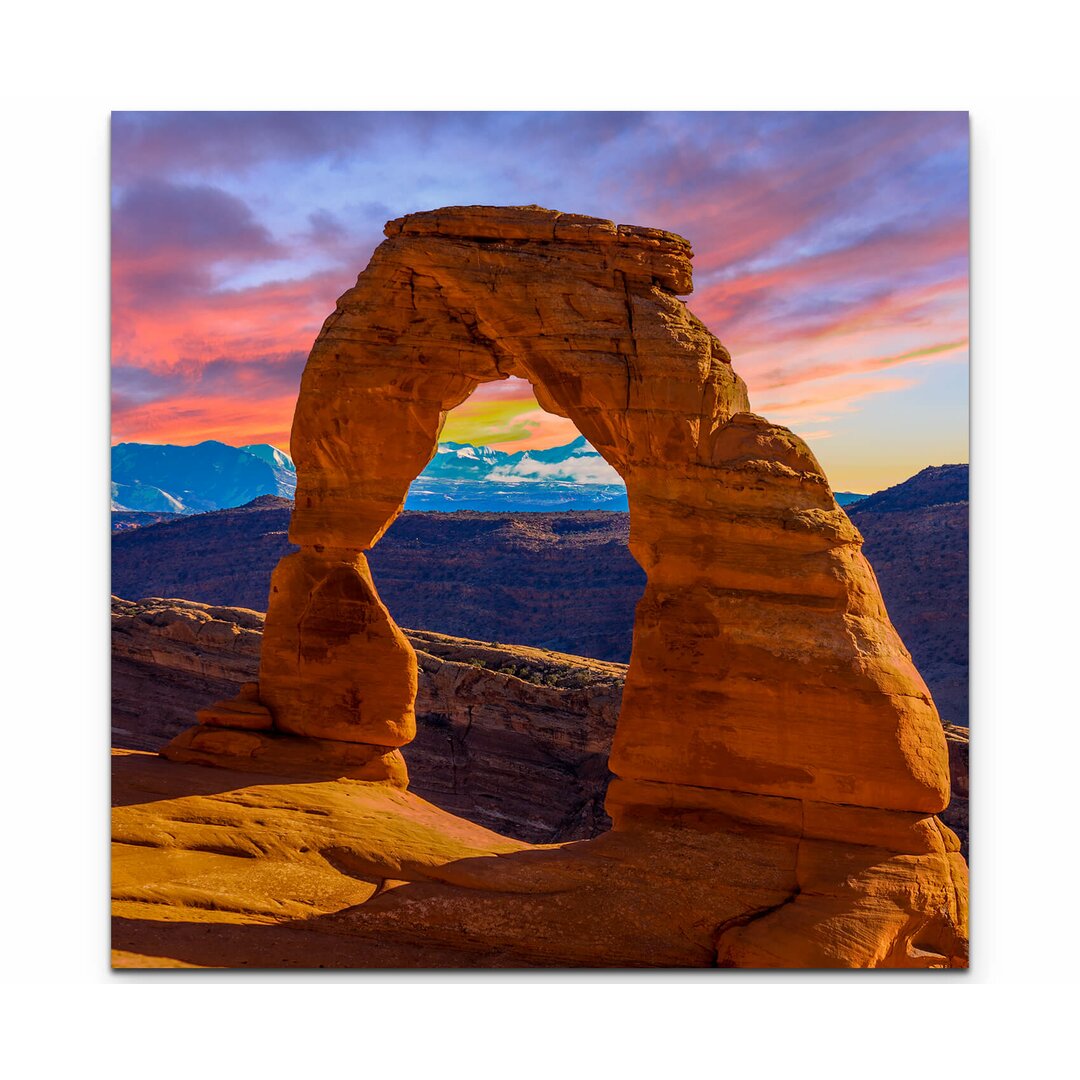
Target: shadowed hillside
[[917, 542], [563, 581]]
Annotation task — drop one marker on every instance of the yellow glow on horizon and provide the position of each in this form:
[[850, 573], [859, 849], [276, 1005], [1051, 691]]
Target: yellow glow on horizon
[[507, 423]]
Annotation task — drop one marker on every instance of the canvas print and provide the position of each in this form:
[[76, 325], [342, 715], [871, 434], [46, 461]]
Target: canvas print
[[540, 540]]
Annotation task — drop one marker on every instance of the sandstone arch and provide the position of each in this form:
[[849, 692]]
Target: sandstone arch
[[766, 682]]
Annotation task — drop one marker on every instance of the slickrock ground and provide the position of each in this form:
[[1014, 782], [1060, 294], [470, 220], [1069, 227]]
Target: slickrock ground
[[778, 761], [213, 868], [513, 738]]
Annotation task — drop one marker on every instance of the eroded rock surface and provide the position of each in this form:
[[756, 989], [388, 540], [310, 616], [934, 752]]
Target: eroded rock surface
[[171, 658], [956, 816], [220, 868], [769, 707], [513, 738]]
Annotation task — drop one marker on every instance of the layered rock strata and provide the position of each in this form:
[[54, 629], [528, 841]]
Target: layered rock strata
[[172, 658], [513, 738], [766, 688], [956, 816]]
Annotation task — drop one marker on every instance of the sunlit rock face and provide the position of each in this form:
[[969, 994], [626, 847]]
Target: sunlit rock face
[[766, 686]]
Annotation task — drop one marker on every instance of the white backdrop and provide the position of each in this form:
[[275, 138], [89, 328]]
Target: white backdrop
[[67, 66]]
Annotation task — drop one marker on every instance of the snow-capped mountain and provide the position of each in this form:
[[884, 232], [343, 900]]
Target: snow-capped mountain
[[463, 461], [576, 462], [277, 458], [214, 476], [191, 479], [280, 462], [466, 477]]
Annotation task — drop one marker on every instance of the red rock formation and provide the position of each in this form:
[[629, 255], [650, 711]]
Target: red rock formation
[[766, 684], [172, 658], [513, 738]]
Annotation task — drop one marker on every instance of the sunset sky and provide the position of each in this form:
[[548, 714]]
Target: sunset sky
[[831, 258]]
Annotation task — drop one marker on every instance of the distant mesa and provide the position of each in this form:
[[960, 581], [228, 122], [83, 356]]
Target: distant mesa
[[561, 581]]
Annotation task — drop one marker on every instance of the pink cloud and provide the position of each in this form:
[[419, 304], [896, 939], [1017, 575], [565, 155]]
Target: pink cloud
[[831, 249]]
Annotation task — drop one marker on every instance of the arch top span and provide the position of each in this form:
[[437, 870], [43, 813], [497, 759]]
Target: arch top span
[[588, 311], [651, 255]]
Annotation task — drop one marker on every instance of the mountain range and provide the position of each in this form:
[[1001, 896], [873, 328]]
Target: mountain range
[[211, 475], [163, 480], [466, 477]]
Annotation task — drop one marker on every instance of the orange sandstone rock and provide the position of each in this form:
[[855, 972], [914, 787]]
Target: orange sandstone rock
[[223, 868], [282, 755], [764, 668], [242, 711]]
